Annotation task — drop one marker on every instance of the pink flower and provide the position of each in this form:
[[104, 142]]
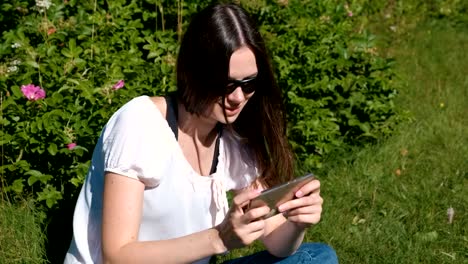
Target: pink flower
[[350, 13], [32, 92], [118, 85], [51, 31], [71, 146]]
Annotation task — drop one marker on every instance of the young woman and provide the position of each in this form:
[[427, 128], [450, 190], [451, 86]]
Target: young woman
[[156, 188]]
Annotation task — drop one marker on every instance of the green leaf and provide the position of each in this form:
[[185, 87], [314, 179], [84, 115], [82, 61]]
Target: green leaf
[[34, 173], [16, 91], [52, 149], [50, 195], [37, 176], [5, 139], [51, 50], [32, 63], [153, 54], [73, 81], [50, 202], [32, 179], [17, 186], [67, 53], [72, 44]]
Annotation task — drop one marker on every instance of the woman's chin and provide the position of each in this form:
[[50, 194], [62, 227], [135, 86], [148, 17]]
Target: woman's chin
[[230, 119]]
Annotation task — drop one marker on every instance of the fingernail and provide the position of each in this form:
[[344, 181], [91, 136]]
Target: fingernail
[[299, 194]]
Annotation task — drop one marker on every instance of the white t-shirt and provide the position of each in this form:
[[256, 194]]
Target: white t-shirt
[[137, 142]]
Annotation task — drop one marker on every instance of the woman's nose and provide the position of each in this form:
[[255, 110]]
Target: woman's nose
[[237, 96]]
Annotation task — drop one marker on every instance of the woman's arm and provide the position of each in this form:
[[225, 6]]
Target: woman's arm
[[122, 212], [282, 238]]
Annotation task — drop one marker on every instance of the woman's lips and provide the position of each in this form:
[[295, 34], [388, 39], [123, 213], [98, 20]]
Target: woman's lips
[[231, 111]]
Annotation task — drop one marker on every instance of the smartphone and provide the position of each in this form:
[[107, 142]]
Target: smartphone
[[280, 194]]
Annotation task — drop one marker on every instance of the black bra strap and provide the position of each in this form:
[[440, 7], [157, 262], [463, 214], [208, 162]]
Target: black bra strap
[[171, 114], [216, 151]]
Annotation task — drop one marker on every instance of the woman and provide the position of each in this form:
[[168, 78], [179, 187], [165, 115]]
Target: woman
[[156, 189]]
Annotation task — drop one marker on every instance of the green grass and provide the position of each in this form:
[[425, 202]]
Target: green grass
[[21, 237], [388, 203]]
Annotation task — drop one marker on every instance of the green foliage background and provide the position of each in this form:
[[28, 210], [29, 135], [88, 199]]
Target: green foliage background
[[337, 87], [339, 84]]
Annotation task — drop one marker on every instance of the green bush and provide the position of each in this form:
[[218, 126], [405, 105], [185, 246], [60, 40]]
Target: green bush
[[338, 89], [76, 55]]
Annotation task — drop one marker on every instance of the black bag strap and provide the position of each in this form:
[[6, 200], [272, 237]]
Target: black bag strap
[[171, 117]]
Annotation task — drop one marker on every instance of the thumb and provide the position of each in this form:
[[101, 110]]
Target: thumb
[[243, 198]]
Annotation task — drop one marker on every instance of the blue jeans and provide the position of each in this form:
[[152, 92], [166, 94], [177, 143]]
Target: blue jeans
[[307, 253]]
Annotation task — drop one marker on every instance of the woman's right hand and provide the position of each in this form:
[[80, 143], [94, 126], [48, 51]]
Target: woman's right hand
[[240, 228]]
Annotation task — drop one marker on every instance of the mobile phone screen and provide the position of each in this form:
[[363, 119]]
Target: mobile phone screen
[[280, 194]]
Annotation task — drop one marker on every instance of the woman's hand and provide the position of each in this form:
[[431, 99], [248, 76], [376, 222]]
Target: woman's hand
[[240, 228], [306, 210]]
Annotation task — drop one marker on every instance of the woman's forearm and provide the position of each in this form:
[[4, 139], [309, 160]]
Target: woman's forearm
[[285, 239], [185, 249]]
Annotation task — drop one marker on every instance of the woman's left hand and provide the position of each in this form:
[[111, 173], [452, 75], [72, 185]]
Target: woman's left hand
[[306, 210]]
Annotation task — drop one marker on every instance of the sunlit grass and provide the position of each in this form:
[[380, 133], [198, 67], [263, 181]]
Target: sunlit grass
[[21, 237], [388, 203]]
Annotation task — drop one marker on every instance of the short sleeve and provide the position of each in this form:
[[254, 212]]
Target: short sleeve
[[241, 168], [134, 142]]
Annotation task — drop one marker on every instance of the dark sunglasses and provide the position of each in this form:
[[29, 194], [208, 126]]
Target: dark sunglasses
[[247, 85]]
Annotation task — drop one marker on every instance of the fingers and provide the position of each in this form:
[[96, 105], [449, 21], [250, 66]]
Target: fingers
[[243, 198], [250, 237], [237, 232], [248, 229], [305, 220], [240, 202], [303, 211], [306, 210], [310, 200], [255, 214], [255, 226], [312, 186], [306, 215]]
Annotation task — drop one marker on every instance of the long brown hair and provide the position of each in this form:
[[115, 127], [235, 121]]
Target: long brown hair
[[203, 67]]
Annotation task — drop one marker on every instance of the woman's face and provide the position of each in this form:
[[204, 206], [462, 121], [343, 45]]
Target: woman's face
[[242, 67]]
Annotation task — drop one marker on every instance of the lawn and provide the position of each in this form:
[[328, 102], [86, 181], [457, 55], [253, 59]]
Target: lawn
[[388, 203], [21, 238]]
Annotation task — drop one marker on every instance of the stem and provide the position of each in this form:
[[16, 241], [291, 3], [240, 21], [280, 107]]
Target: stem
[[39, 71], [156, 19], [161, 9], [1, 117], [92, 31], [179, 19], [20, 156]]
